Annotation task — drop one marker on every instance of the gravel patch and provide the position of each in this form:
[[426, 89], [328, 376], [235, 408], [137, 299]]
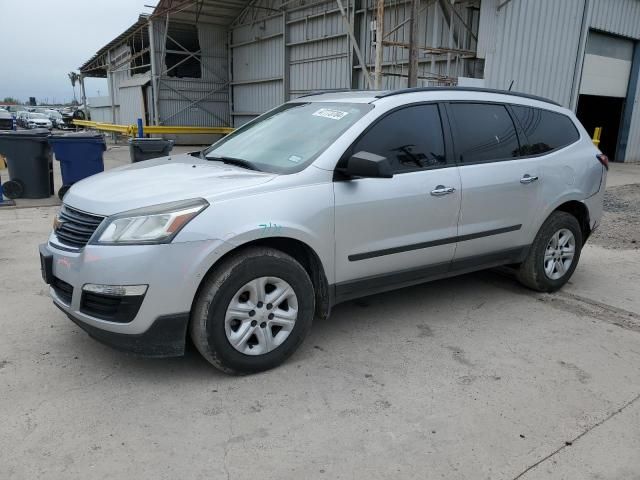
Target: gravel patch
[[620, 227]]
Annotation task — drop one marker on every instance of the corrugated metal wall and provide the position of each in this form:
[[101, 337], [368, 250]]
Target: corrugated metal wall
[[539, 45], [257, 59], [131, 105], [316, 53], [195, 101], [318, 50], [535, 45], [433, 30], [619, 17]]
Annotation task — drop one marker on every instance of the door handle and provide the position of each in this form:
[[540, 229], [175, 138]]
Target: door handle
[[441, 190], [528, 179]]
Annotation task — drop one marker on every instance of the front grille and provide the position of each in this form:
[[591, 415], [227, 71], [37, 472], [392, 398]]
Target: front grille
[[6, 124], [63, 290], [75, 228], [109, 307]]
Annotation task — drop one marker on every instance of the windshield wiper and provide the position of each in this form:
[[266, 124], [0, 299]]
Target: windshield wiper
[[235, 161]]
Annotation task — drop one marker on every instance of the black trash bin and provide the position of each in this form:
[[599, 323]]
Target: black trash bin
[[146, 148], [30, 163]]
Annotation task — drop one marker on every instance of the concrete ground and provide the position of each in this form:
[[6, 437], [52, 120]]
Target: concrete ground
[[468, 378]]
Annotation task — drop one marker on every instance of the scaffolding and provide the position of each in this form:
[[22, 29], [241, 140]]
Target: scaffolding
[[220, 62]]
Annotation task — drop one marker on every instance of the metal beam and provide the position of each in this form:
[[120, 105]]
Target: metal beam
[[379, 45], [413, 45], [365, 72], [154, 74]]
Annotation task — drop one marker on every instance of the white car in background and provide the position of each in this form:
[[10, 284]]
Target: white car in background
[[38, 120], [56, 118]]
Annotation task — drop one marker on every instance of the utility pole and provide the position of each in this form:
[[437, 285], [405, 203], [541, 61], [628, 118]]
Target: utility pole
[[379, 44], [413, 45]]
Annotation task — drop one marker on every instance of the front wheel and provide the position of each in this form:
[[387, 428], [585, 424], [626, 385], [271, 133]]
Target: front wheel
[[554, 254], [253, 311]]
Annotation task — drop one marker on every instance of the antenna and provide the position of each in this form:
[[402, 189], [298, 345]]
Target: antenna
[[511, 85]]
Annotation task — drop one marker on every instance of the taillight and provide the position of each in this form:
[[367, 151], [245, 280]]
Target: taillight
[[604, 160]]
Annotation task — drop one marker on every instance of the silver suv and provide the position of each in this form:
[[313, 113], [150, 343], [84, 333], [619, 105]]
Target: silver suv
[[324, 199]]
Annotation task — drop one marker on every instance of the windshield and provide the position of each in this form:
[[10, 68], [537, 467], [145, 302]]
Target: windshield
[[290, 137], [38, 115]]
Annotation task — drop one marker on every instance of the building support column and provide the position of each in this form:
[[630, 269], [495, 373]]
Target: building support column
[[84, 97], [379, 44], [363, 65], [154, 73], [413, 45]]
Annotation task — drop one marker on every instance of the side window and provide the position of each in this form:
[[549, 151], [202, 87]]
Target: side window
[[545, 130], [483, 132], [410, 138]]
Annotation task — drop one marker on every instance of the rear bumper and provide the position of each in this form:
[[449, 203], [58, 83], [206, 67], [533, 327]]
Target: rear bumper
[[164, 338]]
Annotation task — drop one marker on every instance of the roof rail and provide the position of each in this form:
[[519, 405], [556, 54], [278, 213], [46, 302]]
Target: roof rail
[[391, 93], [335, 90]]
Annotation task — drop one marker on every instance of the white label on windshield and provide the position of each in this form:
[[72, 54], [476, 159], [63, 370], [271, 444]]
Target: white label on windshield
[[329, 113], [295, 158]]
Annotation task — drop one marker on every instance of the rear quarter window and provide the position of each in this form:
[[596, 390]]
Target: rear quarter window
[[544, 130]]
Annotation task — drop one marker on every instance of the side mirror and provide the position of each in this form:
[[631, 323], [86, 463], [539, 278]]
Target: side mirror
[[368, 165]]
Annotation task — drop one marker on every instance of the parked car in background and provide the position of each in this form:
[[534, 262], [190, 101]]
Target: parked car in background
[[21, 118], [6, 120], [38, 120], [326, 198], [57, 120]]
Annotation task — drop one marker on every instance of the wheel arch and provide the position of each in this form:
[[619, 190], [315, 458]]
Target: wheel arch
[[300, 251], [580, 211]]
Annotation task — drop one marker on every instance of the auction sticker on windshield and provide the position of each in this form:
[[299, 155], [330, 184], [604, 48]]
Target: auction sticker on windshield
[[329, 113]]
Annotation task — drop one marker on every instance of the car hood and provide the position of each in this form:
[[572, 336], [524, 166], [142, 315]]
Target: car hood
[[161, 180]]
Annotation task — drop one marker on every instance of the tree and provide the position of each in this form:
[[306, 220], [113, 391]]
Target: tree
[[10, 101], [74, 77]]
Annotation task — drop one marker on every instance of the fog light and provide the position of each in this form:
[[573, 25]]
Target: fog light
[[116, 290]]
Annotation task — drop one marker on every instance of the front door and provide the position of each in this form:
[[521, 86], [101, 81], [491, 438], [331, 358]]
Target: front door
[[389, 230]]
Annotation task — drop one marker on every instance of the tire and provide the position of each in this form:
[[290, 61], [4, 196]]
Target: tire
[[232, 283], [543, 273]]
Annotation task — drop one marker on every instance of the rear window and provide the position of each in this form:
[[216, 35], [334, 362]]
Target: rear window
[[483, 132], [544, 130]]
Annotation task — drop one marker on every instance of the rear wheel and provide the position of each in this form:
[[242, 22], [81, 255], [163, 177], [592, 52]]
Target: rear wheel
[[554, 255], [253, 311]]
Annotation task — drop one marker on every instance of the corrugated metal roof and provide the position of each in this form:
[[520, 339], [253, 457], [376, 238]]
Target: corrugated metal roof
[[92, 66], [217, 12]]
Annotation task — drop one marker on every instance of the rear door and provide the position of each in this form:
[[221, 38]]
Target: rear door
[[389, 229], [500, 189]]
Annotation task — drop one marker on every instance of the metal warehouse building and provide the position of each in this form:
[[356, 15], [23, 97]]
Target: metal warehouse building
[[221, 63]]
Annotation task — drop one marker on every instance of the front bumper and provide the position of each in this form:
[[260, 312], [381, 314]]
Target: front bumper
[[164, 338], [173, 273]]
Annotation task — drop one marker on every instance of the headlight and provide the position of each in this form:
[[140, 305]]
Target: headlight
[[157, 224]]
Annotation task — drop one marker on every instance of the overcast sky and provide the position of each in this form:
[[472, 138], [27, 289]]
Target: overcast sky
[[43, 40]]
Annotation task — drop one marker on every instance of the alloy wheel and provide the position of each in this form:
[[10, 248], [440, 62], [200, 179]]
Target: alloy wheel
[[559, 253]]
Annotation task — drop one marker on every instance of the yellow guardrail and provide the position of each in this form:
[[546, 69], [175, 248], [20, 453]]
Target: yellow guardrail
[[596, 136], [132, 130], [129, 130]]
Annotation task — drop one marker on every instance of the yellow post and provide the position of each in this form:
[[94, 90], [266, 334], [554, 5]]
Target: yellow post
[[596, 136], [3, 163]]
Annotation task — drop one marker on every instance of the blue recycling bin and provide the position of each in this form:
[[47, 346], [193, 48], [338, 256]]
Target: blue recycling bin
[[80, 156]]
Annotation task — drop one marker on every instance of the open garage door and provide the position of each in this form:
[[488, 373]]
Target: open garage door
[[603, 87]]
